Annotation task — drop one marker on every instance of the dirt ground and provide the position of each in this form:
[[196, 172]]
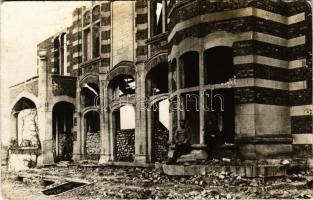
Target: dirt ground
[[145, 183]]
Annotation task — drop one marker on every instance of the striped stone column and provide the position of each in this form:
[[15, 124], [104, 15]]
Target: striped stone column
[[76, 39]]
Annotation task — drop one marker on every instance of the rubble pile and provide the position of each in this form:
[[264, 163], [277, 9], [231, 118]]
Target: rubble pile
[[142, 183], [93, 145], [125, 145], [160, 144]]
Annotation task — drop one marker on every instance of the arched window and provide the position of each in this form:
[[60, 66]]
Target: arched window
[[91, 34], [189, 69], [157, 23], [56, 54], [60, 55]]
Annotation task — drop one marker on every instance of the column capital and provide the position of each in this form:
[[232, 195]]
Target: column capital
[[42, 53]]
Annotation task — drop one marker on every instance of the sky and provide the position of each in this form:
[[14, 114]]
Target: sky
[[23, 26]]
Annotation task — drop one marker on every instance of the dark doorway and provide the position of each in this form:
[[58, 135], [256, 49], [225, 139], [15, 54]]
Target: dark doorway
[[62, 119], [220, 104]]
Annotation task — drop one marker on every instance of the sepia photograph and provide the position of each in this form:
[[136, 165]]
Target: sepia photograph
[[156, 99]]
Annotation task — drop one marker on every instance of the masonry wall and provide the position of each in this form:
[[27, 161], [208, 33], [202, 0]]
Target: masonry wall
[[122, 31], [125, 145]]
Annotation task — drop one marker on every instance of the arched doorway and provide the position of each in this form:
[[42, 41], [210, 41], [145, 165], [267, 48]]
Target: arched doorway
[[159, 126], [123, 129], [62, 120], [189, 99], [92, 135], [24, 123], [158, 114]]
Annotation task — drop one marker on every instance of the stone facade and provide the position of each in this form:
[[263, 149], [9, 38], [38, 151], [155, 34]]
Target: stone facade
[[112, 46]]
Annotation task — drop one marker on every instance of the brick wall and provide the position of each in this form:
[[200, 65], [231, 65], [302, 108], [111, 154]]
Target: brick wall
[[93, 146], [124, 145], [30, 86], [160, 143]]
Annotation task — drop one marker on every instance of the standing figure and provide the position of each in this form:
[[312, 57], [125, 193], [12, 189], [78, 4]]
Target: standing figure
[[68, 146], [182, 142], [212, 134]]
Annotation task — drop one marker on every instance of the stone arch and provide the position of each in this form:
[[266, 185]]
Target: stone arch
[[63, 98], [126, 70], [91, 127], [155, 61], [123, 137], [89, 78], [23, 107], [27, 95], [88, 109], [156, 79]]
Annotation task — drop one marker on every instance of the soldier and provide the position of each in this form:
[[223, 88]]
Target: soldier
[[182, 142]]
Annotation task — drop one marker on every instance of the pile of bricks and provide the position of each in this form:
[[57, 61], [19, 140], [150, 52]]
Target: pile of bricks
[[160, 142], [125, 145], [61, 143], [93, 147]]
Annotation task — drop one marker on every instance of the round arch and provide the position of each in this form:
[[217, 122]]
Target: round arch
[[155, 61], [121, 70], [89, 78]]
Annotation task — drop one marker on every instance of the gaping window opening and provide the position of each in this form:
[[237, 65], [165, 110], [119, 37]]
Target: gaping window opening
[[218, 65], [91, 34], [189, 69], [123, 85], [96, 40], [63, 54], [156, 17], [157, 80], [90, 94], [60, 55], [87, 44]]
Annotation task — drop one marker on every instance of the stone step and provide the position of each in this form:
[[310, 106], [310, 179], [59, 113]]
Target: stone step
[[243, 171]]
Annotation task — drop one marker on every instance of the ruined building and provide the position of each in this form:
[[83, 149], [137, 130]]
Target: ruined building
[[102, 81]]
